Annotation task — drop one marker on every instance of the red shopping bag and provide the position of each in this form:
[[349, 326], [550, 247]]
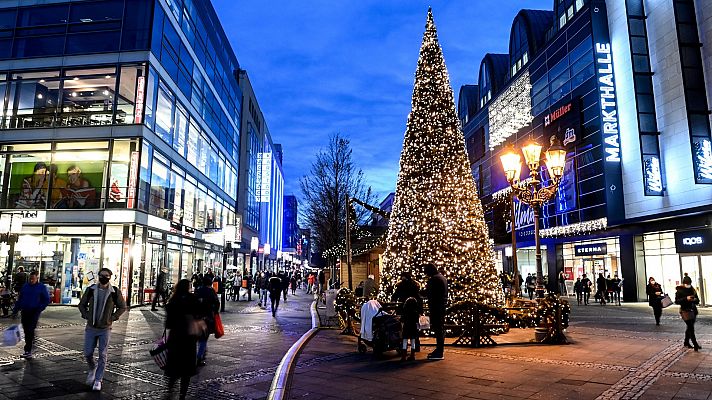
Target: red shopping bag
[[219, 329]]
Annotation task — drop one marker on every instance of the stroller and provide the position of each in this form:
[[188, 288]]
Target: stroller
[[385, 333]]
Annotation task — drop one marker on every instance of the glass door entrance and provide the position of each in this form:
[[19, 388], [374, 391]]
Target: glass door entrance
[[699, 268]]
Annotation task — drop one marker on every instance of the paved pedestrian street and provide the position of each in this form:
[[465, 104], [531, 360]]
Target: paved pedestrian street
[[616, 353], [240, 365]]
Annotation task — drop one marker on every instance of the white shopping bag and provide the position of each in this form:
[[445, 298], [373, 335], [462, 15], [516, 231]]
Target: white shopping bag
[[12, 336]]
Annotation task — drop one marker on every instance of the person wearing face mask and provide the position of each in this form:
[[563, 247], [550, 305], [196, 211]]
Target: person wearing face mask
[[101, 305], [686, 297], [655, 296]]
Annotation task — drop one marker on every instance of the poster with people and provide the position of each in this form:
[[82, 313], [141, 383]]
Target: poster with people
[[57, 185]]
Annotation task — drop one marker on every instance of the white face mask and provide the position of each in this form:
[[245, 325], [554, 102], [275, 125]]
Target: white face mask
[[688, 285], [652, 282]]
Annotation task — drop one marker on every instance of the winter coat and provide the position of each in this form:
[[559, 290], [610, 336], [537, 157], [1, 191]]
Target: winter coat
[[681, 293], [285, 281], [654, 300], [369, 288], [409, 318], [161, 282], [616, 284], [578, 287], [436, 290], [586, 285], [208, 306], [32, 297], [114, 306], [180, 315], [601, 284], [274, 285]]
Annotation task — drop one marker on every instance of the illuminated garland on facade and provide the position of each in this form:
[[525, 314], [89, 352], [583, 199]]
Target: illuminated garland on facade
[[437, 217], [510, 111], [580, 228]]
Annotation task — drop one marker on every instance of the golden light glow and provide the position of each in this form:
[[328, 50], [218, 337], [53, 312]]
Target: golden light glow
[[437, 217], [532, 154], [511, 163], [556, 158]]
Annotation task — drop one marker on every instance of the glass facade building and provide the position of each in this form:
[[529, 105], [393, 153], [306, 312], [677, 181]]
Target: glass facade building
[[120, 140], [582, 73]]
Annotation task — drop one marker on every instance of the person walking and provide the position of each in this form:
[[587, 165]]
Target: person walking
[[531, 285], [310, 283], [159, 290], [101, 305], [686, 297], [274, 286], [19, 280], [221, 290], [249, 282], [33, 299], [208, 306], [181, 322], [293, 284], [562, 284], [601, 289], [265, 286], [285, 283], [616, 283], [655, 296], [586, 287], [407, 292], [436, 290], [578, 289], [322, 282]]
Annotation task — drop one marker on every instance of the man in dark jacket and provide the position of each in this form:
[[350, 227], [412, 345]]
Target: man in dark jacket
[[159, 290], [285, 283], [436, 291], [19, 280], [32, 301], [208, 305], [274, 285], [101, 305]]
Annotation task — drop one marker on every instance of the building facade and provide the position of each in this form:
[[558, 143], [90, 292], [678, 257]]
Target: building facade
[[625, 86], [261, 186], [120, 140]]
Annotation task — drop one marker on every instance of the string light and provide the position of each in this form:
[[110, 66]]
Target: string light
[[510, 111], [437, 217], [576, 229]]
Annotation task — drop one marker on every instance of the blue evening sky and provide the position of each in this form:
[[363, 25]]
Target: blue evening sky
[[320, 67]]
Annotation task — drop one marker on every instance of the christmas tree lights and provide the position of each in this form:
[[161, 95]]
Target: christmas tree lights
[[437, 217]]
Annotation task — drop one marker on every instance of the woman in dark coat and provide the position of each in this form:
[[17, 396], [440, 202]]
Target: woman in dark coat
[[181, 312], [601, 289], [655, 293], [408, 292], [686, 297]]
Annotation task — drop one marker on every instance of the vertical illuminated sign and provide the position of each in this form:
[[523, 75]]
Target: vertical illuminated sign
[[609, 128], [264, 177], [125, 265], [140, 96], [133, 173]]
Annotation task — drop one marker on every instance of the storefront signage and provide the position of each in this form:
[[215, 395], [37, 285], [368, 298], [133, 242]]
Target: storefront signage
[[125, 265], [607, 92], [609, 130], [569, 136], [238, 228], [593, 249], [696, 241], [558, 113], [140, 93], [133, 173], [264, 177]]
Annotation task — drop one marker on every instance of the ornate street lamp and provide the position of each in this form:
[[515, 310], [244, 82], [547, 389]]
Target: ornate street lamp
[[530, 190]]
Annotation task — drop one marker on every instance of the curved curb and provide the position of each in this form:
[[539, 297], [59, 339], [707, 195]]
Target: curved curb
[[283, 375]]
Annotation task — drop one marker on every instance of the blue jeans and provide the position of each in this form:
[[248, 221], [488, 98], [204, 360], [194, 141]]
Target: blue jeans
[[202, 348], [263, 296], [92, 336]]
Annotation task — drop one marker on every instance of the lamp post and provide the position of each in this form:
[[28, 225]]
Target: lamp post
[[10, 228], [530, 191]]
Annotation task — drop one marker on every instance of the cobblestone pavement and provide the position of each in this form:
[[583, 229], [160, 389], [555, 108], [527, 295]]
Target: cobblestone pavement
[[616, 353], [241, 364]]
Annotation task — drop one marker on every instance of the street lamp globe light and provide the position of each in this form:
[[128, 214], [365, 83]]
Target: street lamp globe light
[[511, 163], [532, 154], [555, 158]]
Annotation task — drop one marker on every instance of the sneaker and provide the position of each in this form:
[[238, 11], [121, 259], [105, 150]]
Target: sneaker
[[435, 356], [90, 376], [97, 386], [27, 355]]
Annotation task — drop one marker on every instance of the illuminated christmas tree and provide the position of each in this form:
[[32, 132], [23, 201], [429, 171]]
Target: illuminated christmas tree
[[437, 217]]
